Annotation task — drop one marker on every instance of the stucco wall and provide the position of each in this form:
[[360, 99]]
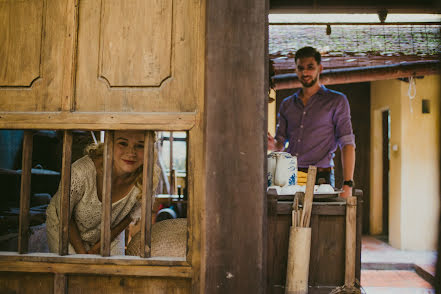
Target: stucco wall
[[414, 188]]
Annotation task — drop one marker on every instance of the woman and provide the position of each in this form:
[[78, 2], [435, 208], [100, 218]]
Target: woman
[[86, 196]]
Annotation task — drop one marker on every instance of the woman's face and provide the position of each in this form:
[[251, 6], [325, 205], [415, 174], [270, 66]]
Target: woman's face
[[128, 154]]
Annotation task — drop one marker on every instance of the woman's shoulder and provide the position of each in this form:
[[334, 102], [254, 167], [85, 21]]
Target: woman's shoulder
[[84, 165]]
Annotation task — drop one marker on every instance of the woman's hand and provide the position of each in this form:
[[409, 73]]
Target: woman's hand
[[95, 249]]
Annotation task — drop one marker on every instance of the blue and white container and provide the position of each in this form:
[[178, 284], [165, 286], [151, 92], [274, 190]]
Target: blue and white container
[[285, 171]]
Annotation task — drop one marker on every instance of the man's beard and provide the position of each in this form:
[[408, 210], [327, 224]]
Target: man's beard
[[310, 84]]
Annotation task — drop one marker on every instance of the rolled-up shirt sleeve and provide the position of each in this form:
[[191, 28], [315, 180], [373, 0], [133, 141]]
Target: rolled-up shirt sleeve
[[342, 122], [281, 125]]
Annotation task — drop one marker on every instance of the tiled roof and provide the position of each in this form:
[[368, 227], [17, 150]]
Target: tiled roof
[[355, 45]]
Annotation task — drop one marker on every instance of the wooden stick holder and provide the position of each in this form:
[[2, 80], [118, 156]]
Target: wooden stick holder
[[298, 260]]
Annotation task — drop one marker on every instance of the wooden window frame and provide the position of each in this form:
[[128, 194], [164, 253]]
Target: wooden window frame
[[61, 263]]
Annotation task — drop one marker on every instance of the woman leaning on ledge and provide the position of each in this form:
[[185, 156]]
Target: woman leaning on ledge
[[86, 196]]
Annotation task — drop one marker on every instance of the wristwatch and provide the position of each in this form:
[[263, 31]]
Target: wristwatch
[[349, 183]]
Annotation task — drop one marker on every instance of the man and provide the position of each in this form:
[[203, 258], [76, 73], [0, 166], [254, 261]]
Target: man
[[315, 120]]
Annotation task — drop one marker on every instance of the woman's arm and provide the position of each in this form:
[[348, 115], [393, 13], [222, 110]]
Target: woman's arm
[[75, 238], [113, 234]]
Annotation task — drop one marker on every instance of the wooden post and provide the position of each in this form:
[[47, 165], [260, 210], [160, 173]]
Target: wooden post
[[147, 193], [63, 245], [233, 212], [297, 271], [106, 194], [25, 192], [60, 283], [351, 213]]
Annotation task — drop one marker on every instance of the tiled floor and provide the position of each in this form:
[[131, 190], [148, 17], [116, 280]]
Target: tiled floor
[[389, 270]]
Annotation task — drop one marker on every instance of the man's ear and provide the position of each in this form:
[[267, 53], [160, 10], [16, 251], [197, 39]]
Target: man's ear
[[321, 68]]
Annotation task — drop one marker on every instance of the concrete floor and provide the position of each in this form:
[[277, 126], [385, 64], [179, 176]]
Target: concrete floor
[[389, 270]]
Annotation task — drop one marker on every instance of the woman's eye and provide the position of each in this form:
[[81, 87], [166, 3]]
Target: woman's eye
[[122, 143], [140, 146]]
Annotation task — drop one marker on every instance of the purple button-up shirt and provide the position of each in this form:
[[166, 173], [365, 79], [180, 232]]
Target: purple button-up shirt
[[314, 131]]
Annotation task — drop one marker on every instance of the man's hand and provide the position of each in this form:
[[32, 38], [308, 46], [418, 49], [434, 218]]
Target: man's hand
[[273, 145], [347, 191]]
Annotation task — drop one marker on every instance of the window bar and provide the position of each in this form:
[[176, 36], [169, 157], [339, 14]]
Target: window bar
[[106, 193], [172, 173], [25, 192], [147, 194], [63, 246]]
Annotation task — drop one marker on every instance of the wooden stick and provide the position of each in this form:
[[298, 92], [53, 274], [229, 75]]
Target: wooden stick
[[309, 195], [25, 192], [147, 193], [107, 194], [351, 215], [63, 244], [295, 211]]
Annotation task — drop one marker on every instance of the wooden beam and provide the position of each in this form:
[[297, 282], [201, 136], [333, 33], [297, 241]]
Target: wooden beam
[[234, 255], [92, 259], [147, 193], [98, 121], [96, 269], [348, 6], [362, 74], [106, 200], [25, 192], [65, 194]]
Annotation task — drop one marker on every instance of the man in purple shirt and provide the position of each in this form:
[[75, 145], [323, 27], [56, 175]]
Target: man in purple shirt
[[314, 121]]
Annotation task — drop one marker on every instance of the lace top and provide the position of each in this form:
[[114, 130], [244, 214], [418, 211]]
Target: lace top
[[85, 208]]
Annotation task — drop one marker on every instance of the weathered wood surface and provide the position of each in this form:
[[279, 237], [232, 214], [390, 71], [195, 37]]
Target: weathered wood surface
[[107, 284], [327, 258], [98, 121], [147, 194], [236, 92], [92, 259], [60, 284], [25, 192], [96, 269], [33, 36], [65, 194], [159, 74], [106, 197], [351, 230], [29, 283]]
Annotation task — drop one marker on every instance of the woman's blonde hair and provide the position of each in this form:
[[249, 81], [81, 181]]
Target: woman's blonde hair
[[96, 152]]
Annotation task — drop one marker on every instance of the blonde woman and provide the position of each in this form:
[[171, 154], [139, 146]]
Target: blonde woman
[[86, 196]]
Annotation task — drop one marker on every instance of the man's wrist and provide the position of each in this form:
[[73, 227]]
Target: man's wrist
[[349, 183]]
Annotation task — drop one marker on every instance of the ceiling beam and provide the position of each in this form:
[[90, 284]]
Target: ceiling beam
[[350, 6], [362, 74]]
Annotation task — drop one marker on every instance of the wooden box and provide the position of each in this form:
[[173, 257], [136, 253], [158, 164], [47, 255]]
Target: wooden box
[[327, 260]]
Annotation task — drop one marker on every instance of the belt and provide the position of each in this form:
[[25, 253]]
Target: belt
[[319, 169]]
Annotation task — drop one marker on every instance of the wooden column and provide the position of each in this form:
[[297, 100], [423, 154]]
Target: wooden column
[[234, 255]]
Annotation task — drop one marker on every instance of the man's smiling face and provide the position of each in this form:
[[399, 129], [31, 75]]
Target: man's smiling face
[[308, 71]]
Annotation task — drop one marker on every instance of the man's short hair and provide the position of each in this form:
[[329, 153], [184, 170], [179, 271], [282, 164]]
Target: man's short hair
[[308, 52]]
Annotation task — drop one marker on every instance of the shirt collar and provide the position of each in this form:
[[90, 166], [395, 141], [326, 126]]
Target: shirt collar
[[321, 91]]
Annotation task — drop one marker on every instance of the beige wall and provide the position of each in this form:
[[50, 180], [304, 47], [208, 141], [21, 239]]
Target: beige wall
[[414, 164]]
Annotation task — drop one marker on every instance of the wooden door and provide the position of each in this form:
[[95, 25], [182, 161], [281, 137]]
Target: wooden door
[[137, 56], [34, 44]]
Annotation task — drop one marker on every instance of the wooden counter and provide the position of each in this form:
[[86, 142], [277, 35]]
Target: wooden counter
[[327, 260]]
